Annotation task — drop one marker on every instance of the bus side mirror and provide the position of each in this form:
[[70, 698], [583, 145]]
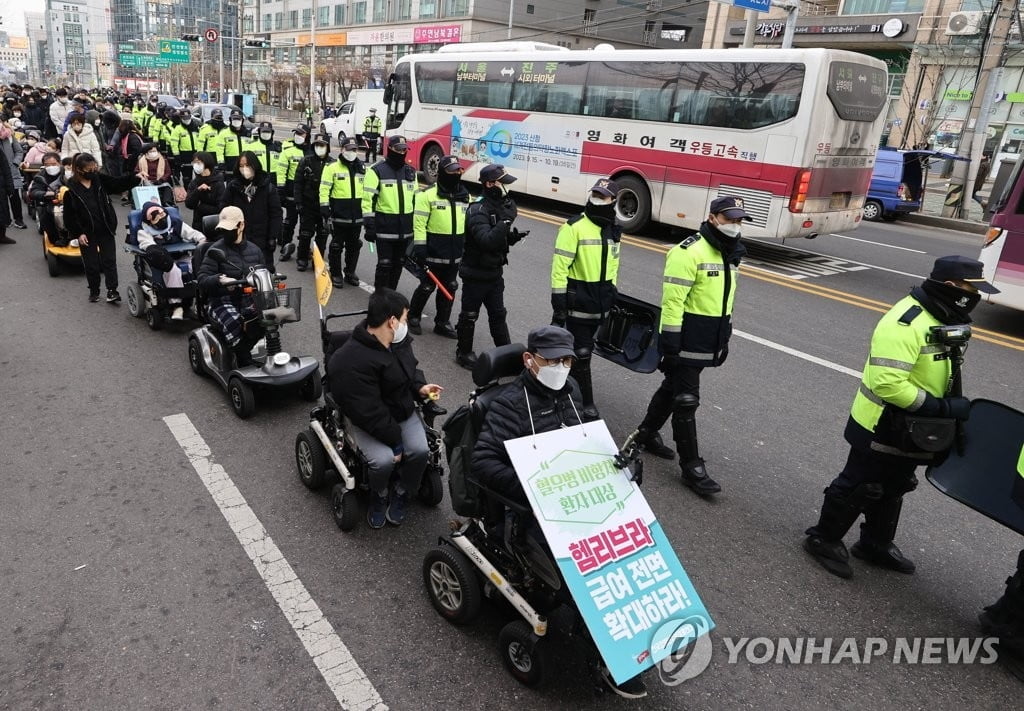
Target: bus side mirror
[[389, 93]]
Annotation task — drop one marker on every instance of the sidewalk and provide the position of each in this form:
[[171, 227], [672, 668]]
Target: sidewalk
[[931, 212]]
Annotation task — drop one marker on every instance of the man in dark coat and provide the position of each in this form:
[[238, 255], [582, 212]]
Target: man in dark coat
[[375, 380]]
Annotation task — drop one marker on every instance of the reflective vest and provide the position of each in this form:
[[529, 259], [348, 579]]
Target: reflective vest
[[696, 302], [903, 364], [228, 144], [585, 267], [439, 224], [371, 126], [155, 130], [288, 163], [388, 200], [204, 140], [183, 140], [267, 153], [341, 187]]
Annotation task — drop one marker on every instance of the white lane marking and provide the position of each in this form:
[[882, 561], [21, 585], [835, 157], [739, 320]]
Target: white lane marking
[[343, 675], [799, 354], [851, 261], [878, 244]]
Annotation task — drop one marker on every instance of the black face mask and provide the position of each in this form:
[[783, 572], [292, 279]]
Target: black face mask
[[217, 122], [600, 214], [495, 193], [395, 159], [449, 181], [957, 302], [161, 224]]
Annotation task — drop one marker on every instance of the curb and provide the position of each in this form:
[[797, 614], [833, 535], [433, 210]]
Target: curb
[[948, 223]]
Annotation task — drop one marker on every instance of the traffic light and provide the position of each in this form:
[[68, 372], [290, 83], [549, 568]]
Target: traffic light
[[261, 43], [190, 38]]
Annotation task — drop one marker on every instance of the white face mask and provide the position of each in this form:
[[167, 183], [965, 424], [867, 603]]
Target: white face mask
[[266, 135], [68, 173], [299, 140], [247, 172], [153, 155], [349, 155], [17, 114], [595, 200], [552, 376], [401, 332], [236, 123], [729, 229], [198, 168], [53, 170], [321, 151]]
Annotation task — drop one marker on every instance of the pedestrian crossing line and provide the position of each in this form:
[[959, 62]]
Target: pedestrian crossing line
[[344, 677]]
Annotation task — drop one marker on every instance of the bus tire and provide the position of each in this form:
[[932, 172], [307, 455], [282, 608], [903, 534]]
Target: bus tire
[[634, 203], [430, 161]]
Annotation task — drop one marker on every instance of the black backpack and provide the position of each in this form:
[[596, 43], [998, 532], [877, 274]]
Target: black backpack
[[460, 433]]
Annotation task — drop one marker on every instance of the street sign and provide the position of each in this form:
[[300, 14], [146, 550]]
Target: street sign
[[143, 61], [759, 5], [175, 51], [211, 35]]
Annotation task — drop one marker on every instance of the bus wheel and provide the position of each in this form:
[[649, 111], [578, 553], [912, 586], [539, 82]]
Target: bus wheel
[[429, 163], [634, 203]]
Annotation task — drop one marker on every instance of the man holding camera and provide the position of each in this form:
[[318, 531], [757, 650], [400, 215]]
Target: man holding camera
[[908, 375], [489, 234]]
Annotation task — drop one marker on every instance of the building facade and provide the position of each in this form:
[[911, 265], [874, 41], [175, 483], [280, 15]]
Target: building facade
[[35, 28], [73, 28]]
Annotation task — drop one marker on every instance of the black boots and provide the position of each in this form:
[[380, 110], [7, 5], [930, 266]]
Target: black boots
[[684, 431], [651, 442], [464, 330], [1005, 617], [416, 304], [825, 540], [876, 534]]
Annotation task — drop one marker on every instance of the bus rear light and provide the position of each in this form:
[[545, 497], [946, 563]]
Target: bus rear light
[[992, 235], [808, 223], [800, 188]]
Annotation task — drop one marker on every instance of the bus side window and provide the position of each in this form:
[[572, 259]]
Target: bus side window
[[435, 82], [528, 97]]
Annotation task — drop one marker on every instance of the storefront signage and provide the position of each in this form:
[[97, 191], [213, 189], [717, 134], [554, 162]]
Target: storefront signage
[[773, 30], [958, 95]]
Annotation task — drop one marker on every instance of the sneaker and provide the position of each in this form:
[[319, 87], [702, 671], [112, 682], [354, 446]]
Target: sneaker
[[446, 330], [94, 296], [21, 225], [113, 297], [302, 264], [178, 314], [337, 282], [352, 279], [653, 443], [590, 413], [630, 689], [286, 251], [396, 509], [414, 326], [376, 515]]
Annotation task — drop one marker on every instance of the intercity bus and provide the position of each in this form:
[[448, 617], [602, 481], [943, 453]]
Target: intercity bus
[[793, 132], [1003, 251]]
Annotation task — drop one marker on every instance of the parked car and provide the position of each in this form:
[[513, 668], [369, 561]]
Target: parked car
[[898, 182], [352, 114], [171, 100], [204, 111]]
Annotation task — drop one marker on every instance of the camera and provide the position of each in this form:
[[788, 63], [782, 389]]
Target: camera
[[950, 335]]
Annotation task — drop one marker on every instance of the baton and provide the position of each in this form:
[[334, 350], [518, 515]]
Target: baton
[[418, 269]]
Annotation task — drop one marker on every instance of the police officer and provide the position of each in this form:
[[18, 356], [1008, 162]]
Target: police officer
[[230, 142], [389, 189], [371, 134], [908, 372], [184, 139], [292, 152], [584, 269], [307, 199], [262, 143], [696, 321], [206, 140], [341, 191], [439, 228], [489, 234]]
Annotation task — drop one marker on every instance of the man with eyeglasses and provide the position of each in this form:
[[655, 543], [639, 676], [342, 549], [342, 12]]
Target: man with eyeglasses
[[907, 374]]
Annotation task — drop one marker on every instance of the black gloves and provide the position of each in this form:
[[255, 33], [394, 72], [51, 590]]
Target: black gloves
[[559, 309], [959, 408], [515, 235], [325, 211]]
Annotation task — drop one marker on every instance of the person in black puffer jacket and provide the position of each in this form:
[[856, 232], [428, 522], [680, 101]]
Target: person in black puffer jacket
[[489, 234], [230, 258], [205, 190], [375, 380], [252, 191]]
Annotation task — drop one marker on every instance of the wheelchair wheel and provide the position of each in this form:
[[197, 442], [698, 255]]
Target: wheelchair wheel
[[154, 319], [136, 305], [452, 585], [195, 356], [52, 265], [311, 388], [311, 459], [243, 401], [344, 507], [523, 653], [431, 489]]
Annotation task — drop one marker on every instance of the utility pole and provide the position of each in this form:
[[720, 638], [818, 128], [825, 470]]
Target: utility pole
[[975, 131], [312, 63]]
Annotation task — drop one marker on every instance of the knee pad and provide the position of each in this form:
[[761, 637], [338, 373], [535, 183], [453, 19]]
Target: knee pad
[[861, 496], [685, 402], [426, 288], [470, 316], [452, 286], [385, 263], [583, 354], [899, 487]]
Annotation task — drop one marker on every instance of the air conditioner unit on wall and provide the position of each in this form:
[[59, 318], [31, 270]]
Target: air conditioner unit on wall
[[966, 23]]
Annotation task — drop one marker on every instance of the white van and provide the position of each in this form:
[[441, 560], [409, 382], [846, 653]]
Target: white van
[[352, 114]]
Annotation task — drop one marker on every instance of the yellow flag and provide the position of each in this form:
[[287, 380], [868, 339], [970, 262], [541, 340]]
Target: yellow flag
[[322, 277]]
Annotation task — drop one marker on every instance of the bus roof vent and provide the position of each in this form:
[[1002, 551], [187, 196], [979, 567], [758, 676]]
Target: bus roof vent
[[604, 47], [512, 46]]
